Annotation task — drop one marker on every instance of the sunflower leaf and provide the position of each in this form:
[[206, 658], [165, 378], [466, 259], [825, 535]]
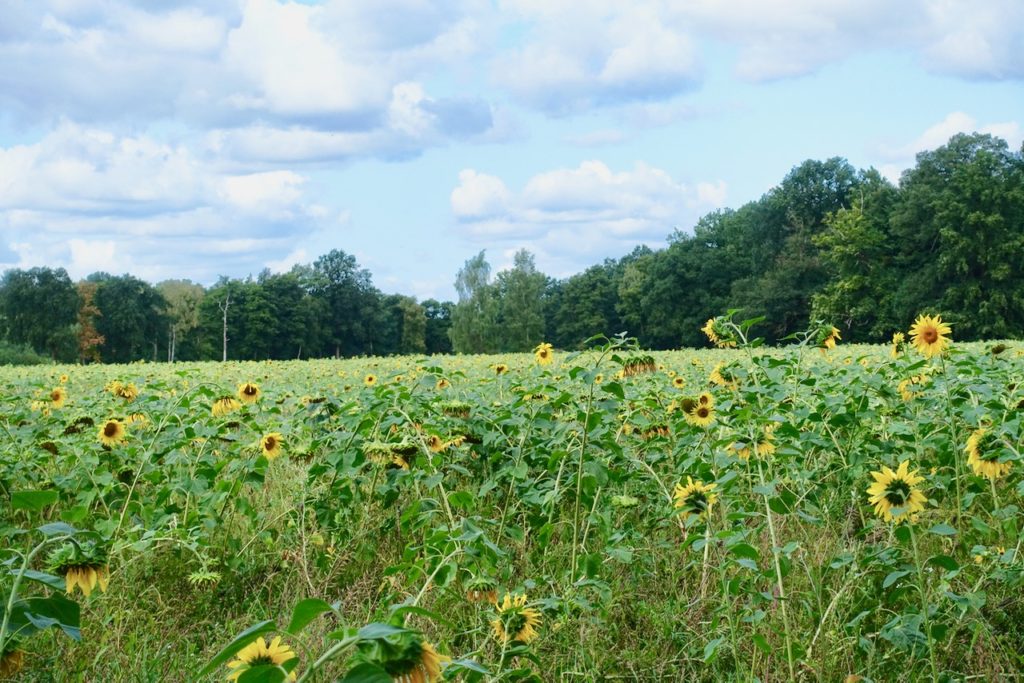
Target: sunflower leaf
[[267, 673], [241, 640], [34, 501], [367, 673], [305, 612], [942, 530]]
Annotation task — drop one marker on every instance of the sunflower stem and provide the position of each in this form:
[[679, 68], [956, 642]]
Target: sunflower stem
[[924, 604], [778, 575], [952, 433]]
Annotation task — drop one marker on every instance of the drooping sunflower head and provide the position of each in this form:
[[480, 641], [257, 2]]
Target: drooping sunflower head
[[11, 660], [719, 333], [895, 495], [248, 393], [929, 335], [57, 397], [370, 380], [407, 657], [695, 498], [129, 392], [435, 443], [544, 353], [112, 432], [259, 653], [983, 453], [828, 336], [482, 589], [723, 376], [897, 344], [271, 445], [83, 565], [515, 621], [224, 405]]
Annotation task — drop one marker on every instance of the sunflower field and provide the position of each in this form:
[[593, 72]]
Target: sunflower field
[[815, 512]]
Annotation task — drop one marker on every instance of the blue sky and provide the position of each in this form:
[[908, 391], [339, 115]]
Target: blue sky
[[223, 137]]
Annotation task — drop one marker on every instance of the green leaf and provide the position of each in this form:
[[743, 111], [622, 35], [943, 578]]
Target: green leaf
[[57, 529], [376, 630], [762, 643], [305, 612], [54, 582], [34, 501], [893, 577], [38, 613], [241, 640], [942, 530], [745, 550], [266, 673], [944, 561], [367, 673], [709, 649], [616, 389]]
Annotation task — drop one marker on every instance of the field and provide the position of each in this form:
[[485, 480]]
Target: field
[[611, 515]]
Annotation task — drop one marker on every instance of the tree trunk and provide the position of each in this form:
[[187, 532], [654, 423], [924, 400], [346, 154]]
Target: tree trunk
[[224, 307]]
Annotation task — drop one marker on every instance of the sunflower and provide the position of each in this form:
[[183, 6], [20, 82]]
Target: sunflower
[[258, 653], [370, 380], [129, 392], [407, 658], [831, 336], [12, 660], [86, 577], [599, 378], [694, 499], [111, 433], [544, 353], [983, 455], [516, 621], [270, 444], [897, 343], [138, 419], [63, 379], [248, 393], [701, 415], [442, 384], [723, 377], [678, 382], [224, 405], [57, 397], [717, 334], [763, 447], [904, 387], [435, 443], [896, 491], [928, 334], [482, 589], [500, 368]]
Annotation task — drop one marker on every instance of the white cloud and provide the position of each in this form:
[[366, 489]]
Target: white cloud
[[898, 157], [89, 199], [572, 216]]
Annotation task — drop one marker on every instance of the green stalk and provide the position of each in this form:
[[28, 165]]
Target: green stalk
[[924, 604]]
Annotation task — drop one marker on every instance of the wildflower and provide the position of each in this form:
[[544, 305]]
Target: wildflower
[[895, 495], [258, 653], [694, 499], [516, 621], [928, 334], [270, 444], [111, 433], [248, 393], [983, 455], [544, 353]]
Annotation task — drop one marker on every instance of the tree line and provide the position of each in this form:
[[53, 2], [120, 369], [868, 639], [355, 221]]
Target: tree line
[[829, 243]]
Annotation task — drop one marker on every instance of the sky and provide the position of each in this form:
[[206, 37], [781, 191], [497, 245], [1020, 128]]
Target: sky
[[193, 140]]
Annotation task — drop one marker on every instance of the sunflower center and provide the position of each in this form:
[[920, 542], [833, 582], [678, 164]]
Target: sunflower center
[[703, 412], [269, 443], [249, 390], [898, 492], [110, 429], [55, 396], [930, 335], [261, 660], [986, 448], [697, 501]]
